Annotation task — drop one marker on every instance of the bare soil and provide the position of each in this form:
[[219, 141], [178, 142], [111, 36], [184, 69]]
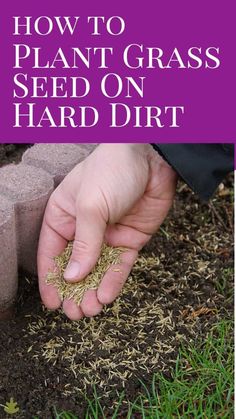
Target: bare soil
[[11, 153]]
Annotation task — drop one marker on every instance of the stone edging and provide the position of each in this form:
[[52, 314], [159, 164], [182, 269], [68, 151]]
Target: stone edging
[[24, 192]]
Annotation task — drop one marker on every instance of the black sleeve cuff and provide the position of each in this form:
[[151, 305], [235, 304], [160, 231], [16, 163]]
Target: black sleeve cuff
[[201, 166]]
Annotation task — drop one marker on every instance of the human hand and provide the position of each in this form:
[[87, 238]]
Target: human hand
[[119, 194]]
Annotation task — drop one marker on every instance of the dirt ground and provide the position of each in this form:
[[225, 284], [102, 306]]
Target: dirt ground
[[181, 284], [11, 153]]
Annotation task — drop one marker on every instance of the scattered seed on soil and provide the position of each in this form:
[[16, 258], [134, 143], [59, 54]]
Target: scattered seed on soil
[[67, 290], [186, 267]]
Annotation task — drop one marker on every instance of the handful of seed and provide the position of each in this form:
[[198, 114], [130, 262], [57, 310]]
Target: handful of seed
[[75, 290]]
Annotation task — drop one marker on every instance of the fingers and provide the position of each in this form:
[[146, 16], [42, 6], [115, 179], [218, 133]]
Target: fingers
[[93, 300], [89, 236], [51, 244], [110, 287], [90, 304], [121, 235], [72, 310], [114, 279], [58, 227], [88, 230]]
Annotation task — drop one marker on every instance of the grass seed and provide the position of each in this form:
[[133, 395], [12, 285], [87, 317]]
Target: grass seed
[[67, 290]]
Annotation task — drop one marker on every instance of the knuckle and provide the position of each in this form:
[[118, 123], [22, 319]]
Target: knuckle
[[80, 245], [90, 202], [90, 249], [52, 210], [87, 207]]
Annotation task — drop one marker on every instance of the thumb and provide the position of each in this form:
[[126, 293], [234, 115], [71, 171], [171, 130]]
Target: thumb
[[89, 236]]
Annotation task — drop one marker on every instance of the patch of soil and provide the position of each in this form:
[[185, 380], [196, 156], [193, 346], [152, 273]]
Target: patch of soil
[[181, 284], [11, 153]]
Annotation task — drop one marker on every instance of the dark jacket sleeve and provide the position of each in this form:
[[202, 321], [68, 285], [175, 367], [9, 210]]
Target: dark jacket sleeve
[[201, 166]]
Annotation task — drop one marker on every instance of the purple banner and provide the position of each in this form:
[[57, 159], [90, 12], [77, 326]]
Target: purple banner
[[117, 71]]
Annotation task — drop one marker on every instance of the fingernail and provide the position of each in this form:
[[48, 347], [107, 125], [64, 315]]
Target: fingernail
[[72, 270]]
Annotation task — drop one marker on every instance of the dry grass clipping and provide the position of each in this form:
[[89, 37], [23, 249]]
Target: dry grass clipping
[[109, 256]]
